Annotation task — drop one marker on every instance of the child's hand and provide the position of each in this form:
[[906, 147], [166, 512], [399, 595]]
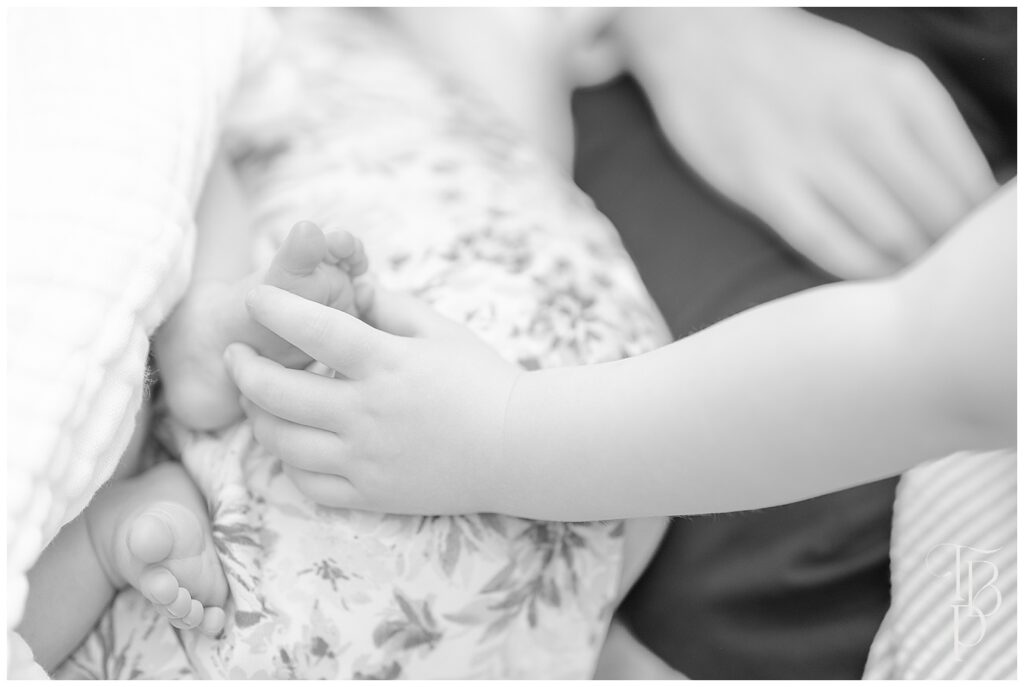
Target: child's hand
[[412, 423]]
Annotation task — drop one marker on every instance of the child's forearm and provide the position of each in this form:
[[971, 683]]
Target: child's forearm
[[748, 414], [809, 394], [67, 593]]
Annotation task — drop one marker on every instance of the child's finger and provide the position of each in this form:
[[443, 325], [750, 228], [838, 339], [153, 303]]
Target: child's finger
[[295, 395], [326, 490], [408, 316], [302, 447], [335, 338]]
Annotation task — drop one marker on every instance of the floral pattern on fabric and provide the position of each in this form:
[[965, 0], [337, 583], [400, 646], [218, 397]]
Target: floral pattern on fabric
[[454, 208]]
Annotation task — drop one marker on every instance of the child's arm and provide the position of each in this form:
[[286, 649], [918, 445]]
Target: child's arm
[[821, 391], [805, 395]]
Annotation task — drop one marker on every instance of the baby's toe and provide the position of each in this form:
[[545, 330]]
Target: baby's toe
[[341, 245], [364, 292], [181, 605], [159, 586], [346, 249], [301, 253], [192, 619], [357, 262], [150, 538], [213, 621]]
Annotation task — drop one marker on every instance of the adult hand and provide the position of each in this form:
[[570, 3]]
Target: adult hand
[[851, 150], [411, 423]]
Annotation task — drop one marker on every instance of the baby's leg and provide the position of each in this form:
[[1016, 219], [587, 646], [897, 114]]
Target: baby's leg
[[61, 609], [190, 345], [623, 657], [101, 548]]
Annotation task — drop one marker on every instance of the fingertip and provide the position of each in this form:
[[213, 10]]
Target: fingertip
[[236, 351], [255, 296]]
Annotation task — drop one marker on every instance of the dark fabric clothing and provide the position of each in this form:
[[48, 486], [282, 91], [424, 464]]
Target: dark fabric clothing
[[796, 591]]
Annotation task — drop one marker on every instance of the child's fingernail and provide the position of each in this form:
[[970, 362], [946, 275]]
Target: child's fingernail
[[250, 297], [230, 353]]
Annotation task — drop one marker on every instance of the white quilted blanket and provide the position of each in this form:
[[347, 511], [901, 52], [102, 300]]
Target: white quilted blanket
[[114, 116]]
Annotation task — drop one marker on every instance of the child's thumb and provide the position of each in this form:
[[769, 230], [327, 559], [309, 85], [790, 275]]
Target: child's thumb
[[404, 315]]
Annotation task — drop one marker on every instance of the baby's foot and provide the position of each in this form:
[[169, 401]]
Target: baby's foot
[[153, 532], [190, 345], [319, 268]]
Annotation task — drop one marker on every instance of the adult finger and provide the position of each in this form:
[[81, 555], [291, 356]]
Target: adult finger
[[337, 339], [870, 208], [333, 491], [804, 221], [295, 395], [302, 447], [934, 120], [927, 192]]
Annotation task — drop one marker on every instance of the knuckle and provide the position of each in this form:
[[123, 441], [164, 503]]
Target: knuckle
[[907, 71]]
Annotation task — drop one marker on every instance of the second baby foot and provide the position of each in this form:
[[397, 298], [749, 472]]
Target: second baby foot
[[153, 532], [191, 343], [318, 267]]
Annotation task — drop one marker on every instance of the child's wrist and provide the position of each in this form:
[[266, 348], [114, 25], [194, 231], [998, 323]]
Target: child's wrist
[[504, 459], [515, 478]]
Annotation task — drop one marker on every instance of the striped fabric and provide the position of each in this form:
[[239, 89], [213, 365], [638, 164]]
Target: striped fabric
[[954, 573]]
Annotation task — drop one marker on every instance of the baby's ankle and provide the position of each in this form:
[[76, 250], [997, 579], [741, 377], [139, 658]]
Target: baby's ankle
[[189, 349], [101, 540]]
